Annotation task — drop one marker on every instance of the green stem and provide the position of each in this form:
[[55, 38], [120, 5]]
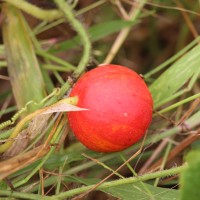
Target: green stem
[[64, 195], [55, 67], [86, 45], [164, 161], [35, 11], [179, 103], [168, 172], [148, 192], [55, 59], [22, 195], [90, 7], [58, 77], [66, 9]]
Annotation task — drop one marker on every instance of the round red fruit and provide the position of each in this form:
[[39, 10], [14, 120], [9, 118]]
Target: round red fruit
[[120, 108]]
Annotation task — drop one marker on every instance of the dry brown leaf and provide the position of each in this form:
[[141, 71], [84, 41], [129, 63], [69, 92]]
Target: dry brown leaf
[[20, 161], [35, 127], [63, 107]]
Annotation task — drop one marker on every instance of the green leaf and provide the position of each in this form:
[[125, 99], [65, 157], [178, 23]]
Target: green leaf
[[23, 68], [174, 78], [137, 191], [96, 32], [190, 178], [57, 160]]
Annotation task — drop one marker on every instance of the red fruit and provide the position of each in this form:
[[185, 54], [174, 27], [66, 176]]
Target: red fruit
[[120, 108]]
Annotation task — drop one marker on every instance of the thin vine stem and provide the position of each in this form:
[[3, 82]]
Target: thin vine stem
[[67, 11], [22, 195], [147, 190], [70, 193], [48, 15], [175, 105], [163, 173], [78, 27]]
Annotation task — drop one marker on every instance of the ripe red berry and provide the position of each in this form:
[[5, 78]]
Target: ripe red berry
[[120, 108]]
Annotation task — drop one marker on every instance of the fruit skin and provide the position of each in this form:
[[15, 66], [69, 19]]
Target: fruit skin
[[120, 108]]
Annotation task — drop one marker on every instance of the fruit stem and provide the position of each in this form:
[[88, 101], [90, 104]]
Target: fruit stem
[[69, 100]]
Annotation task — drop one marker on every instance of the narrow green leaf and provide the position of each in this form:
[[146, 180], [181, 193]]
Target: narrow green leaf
[[23, 67], [174, 78], [190, 178], [136, 191], [96, 32]]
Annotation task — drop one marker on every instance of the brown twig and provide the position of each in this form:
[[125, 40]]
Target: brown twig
[[153, 156], [165, 6], [184, 144], [189, 112], [187, 19], [122, 35], [41, 180], [22, 160]]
